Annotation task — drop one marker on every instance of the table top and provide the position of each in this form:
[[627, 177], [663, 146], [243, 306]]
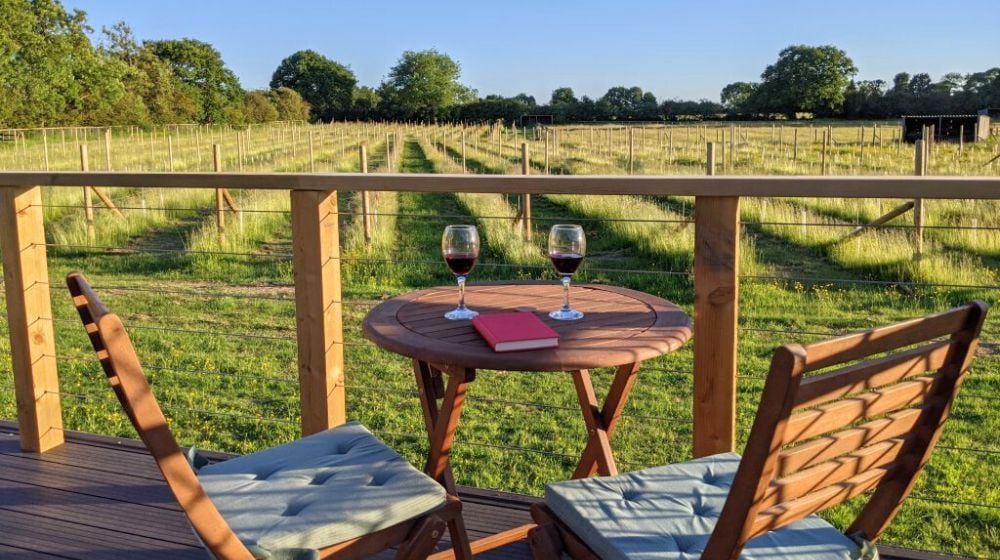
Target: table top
[[619, 327]]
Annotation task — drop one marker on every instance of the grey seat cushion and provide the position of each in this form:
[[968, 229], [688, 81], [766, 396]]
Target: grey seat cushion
[[668, 513], [318, 491]]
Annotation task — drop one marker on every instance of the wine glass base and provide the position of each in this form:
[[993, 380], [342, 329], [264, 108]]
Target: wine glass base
[[461, 314], [566, 314]]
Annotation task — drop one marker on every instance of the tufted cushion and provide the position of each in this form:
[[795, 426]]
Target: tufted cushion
[[318, 491], [668, 513]]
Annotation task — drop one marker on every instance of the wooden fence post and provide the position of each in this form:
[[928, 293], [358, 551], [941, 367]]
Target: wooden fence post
[[220, 203], [547, 148], [716, 310], [312, 154], [710, 159], [526, 198], [631, 150], [88, 203], [107, 148], [822, 165], [465, 168], [318, 309], [366, 209], [45, 147], [222, 196], [29, 318], [170, 152], [388, 153], [919, 169]]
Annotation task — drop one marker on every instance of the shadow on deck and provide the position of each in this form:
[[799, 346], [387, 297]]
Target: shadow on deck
[[99, 497]]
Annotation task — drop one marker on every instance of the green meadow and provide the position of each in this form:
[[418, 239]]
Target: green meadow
[[213, 317]]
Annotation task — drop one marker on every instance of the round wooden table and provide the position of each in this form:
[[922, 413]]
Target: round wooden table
[[621, 328]]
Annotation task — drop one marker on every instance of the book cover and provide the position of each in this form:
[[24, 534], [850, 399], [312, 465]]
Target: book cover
[[510, 332]]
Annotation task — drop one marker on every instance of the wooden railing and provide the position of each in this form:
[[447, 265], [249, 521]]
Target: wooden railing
[[316, 265]]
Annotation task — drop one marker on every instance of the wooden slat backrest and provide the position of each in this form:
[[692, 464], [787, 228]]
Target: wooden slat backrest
[[865, 426], [121, 365]]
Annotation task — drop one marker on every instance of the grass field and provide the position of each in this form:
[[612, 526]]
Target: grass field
[[214, 321]]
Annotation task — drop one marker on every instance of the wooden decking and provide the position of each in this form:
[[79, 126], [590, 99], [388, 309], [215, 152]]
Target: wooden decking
[[97, 497]]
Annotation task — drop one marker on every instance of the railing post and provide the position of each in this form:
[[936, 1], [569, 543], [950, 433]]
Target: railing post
[[29, 318], [716, 309], [318, 309]]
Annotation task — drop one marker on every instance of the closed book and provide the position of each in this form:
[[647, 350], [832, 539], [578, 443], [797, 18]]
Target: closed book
[[509, 332]]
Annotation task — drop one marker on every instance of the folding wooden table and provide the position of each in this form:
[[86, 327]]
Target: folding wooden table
[[621, 328]]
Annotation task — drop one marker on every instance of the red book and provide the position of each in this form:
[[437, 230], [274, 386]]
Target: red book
[[508, 332]]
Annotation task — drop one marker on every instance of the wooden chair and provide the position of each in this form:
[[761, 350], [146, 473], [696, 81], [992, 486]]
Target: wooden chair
[[867, 423], [424, 515]]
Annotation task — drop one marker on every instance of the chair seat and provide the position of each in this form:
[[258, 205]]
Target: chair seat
[[318, 491], [668, 513]]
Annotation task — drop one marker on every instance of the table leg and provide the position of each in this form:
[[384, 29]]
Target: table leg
[[441, 424], [597, 456]]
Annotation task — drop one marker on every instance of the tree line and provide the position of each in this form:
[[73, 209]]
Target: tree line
[[53, 74]]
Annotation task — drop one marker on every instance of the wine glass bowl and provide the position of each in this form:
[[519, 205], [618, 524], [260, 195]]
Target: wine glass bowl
[[460, 248], [567, 247]]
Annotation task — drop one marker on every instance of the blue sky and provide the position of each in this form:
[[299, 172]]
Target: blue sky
[[683, 50]]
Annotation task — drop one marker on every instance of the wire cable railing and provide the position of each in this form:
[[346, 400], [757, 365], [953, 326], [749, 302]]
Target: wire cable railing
[[409, 254]]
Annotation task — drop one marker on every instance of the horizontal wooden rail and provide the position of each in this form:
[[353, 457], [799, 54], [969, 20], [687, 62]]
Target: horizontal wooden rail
[[905, 187]]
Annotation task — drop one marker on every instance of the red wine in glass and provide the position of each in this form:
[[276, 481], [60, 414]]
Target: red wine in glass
[[566, 263], [567, 245], [460, 247], [460, 263]]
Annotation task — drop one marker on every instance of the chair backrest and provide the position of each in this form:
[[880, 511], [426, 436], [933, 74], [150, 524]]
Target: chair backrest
[[868, 423], [121, 366]]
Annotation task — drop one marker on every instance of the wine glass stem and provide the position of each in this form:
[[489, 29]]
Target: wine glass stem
[[565, 283], [461, 292]]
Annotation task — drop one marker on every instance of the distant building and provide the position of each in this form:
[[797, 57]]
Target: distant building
[[948, 127]]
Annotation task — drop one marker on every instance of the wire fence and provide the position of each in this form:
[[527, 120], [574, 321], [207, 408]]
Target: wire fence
[[197, 336]]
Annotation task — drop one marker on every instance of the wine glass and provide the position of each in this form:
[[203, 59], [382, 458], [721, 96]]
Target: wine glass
[[460, 247], [567, 246]]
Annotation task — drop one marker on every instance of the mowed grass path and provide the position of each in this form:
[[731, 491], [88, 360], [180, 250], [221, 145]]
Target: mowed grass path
[[217, 332]]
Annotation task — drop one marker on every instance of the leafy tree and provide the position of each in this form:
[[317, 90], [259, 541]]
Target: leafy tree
[[983, 88], [326, 85], [365, 105], [679, 110], [494, 107], [806, 79], [563, 104], [738, 96], [290, 105], [585, 110], [42, 49], [424, 85], [865, 100], [621, 103], [258, 108], [563, 96], [950, 83], [921, 84], [901, 82], [202, 72], [149, 80], [648, 109]]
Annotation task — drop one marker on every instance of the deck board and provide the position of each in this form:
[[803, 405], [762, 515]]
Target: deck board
[[98, 497]]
